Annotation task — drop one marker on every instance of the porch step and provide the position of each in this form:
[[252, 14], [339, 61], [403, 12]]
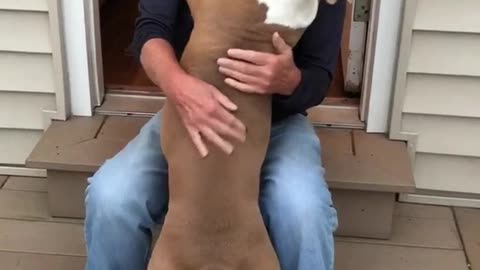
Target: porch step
[[364, 171]]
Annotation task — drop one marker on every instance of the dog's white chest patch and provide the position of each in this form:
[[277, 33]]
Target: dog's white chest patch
[[290, 13]]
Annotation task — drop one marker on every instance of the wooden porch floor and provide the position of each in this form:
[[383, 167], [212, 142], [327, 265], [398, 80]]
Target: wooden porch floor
[[424, 237]]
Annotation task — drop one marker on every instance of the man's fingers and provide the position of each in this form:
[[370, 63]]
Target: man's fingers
[[240, 66], [255, 57], [232, 131], [238, 76], [215, 139], [197, 141], [279, 43], [225, 101]]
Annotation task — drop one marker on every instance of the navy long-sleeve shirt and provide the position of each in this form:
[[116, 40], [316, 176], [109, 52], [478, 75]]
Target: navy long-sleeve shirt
[[315, 54]]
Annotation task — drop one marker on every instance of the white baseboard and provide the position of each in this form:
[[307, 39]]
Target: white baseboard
[[21, 171], [439, 200]]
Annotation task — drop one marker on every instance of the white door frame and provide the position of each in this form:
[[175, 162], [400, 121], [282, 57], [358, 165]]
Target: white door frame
[[83, 46]]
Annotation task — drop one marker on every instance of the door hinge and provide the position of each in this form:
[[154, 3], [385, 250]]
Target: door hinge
[[361, 11]]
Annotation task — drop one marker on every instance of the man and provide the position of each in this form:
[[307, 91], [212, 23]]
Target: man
[[128, 196]]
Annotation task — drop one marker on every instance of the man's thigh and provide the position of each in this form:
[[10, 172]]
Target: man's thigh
[[136, 176], [293, 177]]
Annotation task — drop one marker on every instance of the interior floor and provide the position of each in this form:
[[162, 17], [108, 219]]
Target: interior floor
[[122, 73]]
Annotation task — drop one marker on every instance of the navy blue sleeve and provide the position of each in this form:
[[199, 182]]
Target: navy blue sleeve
[[156, 19], [316, 56]]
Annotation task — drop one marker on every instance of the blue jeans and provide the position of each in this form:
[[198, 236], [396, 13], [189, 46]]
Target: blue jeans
[[128, 197]]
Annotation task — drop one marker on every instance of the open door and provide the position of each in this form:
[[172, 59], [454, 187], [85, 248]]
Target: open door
[[123, 75]]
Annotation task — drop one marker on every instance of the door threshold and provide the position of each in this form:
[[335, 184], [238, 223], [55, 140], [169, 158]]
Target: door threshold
[[333, 113]]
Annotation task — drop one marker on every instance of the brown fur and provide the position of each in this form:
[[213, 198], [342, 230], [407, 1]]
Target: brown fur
[[213, 221]]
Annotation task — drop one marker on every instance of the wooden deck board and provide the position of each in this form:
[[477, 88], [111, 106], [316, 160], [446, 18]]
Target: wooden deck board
[[29, 261], [41, 237], [355, 256], [121, 128], [420, 226], [377, 163], [26, 184], [26, 205], [469, 226], [3, 178]]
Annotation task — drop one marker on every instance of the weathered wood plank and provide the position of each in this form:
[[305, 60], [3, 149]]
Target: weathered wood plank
[[3, 178], [423, 211], [419, 232], [42, 237], [121, 128], [354, 256], [29, 261], [469, 224], [38, 184], [67, 144], [27, 205], [378, 164], [25, 32]]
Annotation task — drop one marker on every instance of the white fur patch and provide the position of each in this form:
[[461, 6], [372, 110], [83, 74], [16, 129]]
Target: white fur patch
[[291, 13]]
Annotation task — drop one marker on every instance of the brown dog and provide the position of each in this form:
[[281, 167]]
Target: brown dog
[[214, 221]]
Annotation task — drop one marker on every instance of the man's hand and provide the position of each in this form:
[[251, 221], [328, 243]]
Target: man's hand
[[206, 111], [262, 73]]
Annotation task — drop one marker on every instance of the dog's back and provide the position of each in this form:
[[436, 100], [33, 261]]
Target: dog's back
[[213, 221]]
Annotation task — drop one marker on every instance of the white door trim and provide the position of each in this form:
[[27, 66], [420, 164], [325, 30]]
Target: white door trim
[[383, 65], [81, 92], [83, 47]]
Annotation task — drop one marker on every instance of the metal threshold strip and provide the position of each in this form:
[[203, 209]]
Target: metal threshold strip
[[333, 113]]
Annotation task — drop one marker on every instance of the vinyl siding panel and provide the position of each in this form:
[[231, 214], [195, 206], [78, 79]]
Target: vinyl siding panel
[[26, 72], [446, 15], [25, 31], [444, 135], [445, 53], [445, 172], [24, 110], [442, 95], [437, 94], [16, 145], [30, 74], [30, 5]]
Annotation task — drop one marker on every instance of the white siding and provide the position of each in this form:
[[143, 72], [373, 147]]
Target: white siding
[[26, 72], [445, 53], [24, 110], [437, 95], [442, 95], [26, 32], [30, 5], [445, 135], [444, 172], [31, 74], [16, 145], [448, 15]]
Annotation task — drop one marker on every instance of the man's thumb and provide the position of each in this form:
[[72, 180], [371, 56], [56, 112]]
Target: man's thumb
[[279, 43]]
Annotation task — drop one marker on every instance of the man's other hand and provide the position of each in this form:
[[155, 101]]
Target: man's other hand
[[262, 73], [206, 113]]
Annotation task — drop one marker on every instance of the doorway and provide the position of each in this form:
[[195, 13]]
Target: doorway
[[123, 75]]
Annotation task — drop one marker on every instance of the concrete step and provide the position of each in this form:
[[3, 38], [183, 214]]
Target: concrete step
[[364, 171]]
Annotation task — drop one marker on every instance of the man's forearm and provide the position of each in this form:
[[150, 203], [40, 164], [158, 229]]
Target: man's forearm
[[161, 66]]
